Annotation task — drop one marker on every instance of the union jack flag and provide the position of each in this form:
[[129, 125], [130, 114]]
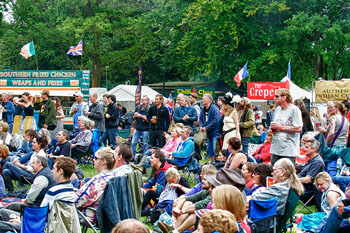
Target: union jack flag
[[76, 50], [169, 104]]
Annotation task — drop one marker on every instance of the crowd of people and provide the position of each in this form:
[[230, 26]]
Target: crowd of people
[[300, 150]]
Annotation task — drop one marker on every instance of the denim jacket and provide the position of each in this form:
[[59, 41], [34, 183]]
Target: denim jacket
[[115, 204]]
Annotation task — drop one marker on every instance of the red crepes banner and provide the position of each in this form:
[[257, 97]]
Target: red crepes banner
[[265, 90], [139, 86]]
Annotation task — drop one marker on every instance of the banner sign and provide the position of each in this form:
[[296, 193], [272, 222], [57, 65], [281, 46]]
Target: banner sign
[[139, 86], [59, 83], [200, 91], [265, 90], [331, 90], [30, 82]]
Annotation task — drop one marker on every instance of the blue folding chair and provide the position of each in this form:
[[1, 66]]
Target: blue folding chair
[[262, 213], [34, 219]]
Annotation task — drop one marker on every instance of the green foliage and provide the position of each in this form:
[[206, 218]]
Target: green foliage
[[182, 39]]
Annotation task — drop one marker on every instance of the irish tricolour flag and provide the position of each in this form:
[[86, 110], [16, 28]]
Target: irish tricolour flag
[[241, 75], [28, 50]]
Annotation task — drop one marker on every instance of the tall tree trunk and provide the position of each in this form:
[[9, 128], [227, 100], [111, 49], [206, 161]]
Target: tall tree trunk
[[316, 65], [96, 62]]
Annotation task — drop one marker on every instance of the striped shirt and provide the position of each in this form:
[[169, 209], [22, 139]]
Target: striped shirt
[[61, 192]]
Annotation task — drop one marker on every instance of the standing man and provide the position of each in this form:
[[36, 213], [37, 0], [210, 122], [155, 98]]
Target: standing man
[[47, 117], [79, 108], [96, 113], [10, 97], [185, 113], [246, 122], [158, 115], [193, 102], [111, 122], [209, 122], [105, 102], [286, 127], [8, 109], [141, 126]]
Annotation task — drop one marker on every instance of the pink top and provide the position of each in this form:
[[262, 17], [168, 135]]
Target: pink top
[[171, 146]]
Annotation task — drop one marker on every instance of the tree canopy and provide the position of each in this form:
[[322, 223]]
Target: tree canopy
[[181, 39]]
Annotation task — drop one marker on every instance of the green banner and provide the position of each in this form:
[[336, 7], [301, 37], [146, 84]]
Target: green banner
[[199, 90], [59, 83]]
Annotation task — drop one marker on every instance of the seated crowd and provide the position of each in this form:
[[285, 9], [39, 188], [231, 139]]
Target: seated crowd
[[227, 185]]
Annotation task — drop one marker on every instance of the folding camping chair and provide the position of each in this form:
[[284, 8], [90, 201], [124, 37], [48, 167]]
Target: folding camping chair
[[292, 202], [34, 219], [262, 213]]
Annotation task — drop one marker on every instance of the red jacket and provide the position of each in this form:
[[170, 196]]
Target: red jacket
[[263, 152]]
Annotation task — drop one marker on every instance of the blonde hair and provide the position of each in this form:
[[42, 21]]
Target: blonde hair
[[209, 169], [108, 155], [228, 197], [323, 176], [290, 175], [218, 220], [171, 173], [286, 93], [316, 111], [130, 226], [5, 127], [179, 125], [177, 130]]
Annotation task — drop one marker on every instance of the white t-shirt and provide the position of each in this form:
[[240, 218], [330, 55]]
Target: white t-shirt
[[283, 143]]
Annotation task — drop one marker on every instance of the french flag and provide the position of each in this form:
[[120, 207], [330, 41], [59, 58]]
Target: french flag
[[243, 73]]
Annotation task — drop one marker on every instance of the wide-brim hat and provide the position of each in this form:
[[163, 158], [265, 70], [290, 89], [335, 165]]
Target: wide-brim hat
[[194, 95], [212, 180], [227, 176], [228, 98], [78, 93]]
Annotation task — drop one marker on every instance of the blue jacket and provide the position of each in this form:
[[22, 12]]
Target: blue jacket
[[115, 204], [184, 151], [159, 176], [180, 112], [26, 147], [10, 108], [212, 125]]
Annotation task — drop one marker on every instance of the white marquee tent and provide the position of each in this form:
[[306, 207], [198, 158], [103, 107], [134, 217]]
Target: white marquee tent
[[126, 95], [296, 91]]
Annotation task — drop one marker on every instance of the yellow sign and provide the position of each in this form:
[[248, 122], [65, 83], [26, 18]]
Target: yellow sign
[[200, 91], [331, 90]]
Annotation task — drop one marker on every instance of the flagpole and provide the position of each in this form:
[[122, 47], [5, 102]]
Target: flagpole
[[36, 61], [82, 52]]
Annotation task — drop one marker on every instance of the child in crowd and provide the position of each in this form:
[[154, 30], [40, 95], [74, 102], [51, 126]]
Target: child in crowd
[[173, 189]]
